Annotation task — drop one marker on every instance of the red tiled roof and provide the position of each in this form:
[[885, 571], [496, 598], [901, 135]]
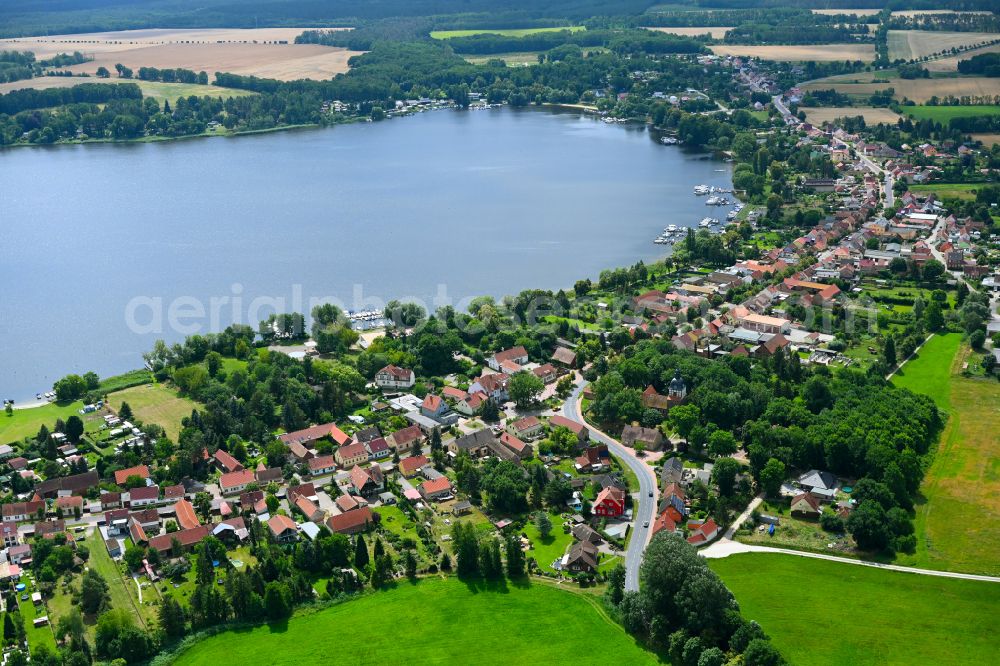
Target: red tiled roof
[[314, 433], [164, 542], [559, 421], [352, 451], [233, 479], [434, 486], [280, 524], [351, 521], [144, 493], [228, 463], [186, 517], [432, 403], [510, 354], [321, 462], [121, 476], [412, 464]]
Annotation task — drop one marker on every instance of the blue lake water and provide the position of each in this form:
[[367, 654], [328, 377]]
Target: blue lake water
[[440, 206]]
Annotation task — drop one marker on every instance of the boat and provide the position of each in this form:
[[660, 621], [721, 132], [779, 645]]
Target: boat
[[668, 140], [705, 222], [672, 229], [701, 190]]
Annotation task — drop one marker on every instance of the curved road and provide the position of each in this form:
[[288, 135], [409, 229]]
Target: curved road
[[643, 506]]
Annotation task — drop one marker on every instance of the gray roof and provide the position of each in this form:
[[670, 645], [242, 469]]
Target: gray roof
[[816, 478]]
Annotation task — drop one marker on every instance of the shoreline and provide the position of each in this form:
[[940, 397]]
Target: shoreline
[[660, 253]]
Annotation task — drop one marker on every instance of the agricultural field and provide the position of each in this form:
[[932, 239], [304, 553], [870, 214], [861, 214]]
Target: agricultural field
[[910, 44], [871, 616], [872, 115], [958, 518], [155, 89], [943, 114], [519, 59], [257, 52], [516, 32], [856, 12], [156, 403], [816, 52], [987, 139], [716, 32], [950, 64], [963, 191], [918, 90], [446, 617]]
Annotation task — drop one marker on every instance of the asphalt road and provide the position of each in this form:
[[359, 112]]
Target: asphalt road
[[643, 506]]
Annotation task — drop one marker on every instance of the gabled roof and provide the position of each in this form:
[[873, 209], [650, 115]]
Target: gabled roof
[[400, 374], [559, 421], [279, 524], [511, 354], [233, 479], [227, 462], [432, 403], [186, 517], [412, 464], [351, 521], [434, 486], [352, 451], [122, 475], [144, 493]]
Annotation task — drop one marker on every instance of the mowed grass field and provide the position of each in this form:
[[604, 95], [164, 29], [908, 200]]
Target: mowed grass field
[[156, 403], [943, 114], [515, 32], [817, 52], [436, 621], [909, 44], [872, 115], [954, 190], [828, 613], [26, 422], [958, 515]]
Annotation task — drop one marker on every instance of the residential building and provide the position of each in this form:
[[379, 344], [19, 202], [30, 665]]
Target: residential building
[[352, 522], [394, 377], [651, 438], [436, 489], [351, 455], [609, 503], [409, 466], [806, 505], [367, 482], [144, 496], [528, 427], [122, 475], [322, 466], [703, 533], [283, 529], [225, 462], [308, 436], [236, 482], [582, 557], [517, 355], [580, 430]]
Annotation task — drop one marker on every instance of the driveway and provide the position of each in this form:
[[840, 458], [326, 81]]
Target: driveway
[[644, 506]]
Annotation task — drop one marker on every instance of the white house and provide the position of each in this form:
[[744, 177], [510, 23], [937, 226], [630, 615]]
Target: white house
[[393, 377]]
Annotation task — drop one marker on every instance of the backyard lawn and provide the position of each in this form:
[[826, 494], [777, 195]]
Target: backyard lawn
[[552, 547], [437, 621], [156, 403], [958, 513], [819, 612], [100, 560]]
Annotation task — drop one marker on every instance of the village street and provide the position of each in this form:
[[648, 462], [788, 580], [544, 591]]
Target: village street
[[644, 506]]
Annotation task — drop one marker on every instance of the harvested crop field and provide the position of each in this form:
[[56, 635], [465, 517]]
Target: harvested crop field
[[872, 116], [950, 64], [266, 52], [909, 44], [155, 89], [716, 32], [987, 139], [918, 90], [817, 52]]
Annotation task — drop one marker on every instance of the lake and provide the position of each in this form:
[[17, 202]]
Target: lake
[[100, 244]]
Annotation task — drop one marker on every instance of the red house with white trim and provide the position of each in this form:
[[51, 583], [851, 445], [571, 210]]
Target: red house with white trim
[[610, 502]]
